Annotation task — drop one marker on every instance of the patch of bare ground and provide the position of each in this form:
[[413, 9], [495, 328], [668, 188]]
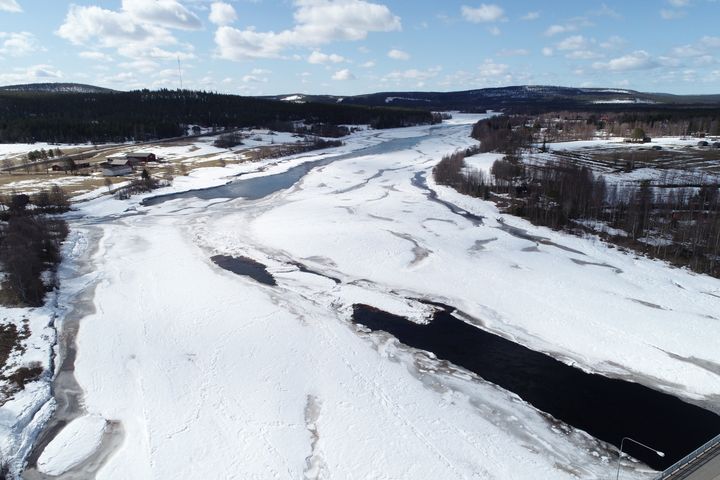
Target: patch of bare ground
[[13, 378]]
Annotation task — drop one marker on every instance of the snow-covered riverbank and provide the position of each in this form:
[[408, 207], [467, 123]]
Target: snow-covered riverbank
[[213, 375]]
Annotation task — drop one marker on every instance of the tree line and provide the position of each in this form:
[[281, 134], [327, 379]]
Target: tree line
[[146, 115], [30, 240]]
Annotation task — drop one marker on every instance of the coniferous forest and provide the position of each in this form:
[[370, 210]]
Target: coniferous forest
[[146, 115]]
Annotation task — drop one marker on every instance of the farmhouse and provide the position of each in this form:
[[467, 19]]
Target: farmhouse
[[141, 157], [116, 166], [133, 159]]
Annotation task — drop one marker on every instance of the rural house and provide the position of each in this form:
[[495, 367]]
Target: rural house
[[116, 166]]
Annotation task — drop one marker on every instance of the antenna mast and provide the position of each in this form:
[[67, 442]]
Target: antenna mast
[[180, 72]]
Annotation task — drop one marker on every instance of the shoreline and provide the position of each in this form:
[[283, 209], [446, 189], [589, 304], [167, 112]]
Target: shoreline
[[65, 389]]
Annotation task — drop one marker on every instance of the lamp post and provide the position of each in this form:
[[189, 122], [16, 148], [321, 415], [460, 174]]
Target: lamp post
[[657, 452]]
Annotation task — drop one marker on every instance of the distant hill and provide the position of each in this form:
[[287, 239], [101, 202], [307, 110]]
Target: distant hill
[[527, 97], [56, 88], [71, 113]]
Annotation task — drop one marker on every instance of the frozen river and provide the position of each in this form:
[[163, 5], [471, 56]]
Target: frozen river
[[211, 374]]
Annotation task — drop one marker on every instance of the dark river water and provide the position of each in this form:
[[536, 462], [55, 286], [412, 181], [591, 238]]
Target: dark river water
[[246, 267], [608, 409]]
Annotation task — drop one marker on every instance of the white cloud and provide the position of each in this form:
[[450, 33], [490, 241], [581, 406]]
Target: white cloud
[[110, 29], [94, 55], [35, 73], [343, 74], [530, 16], [368, 64], [557, 29], [234, 44], [637, 60], [256, 75], [10, 6], [254, 79], [482, 14], [398, 77], [613, 43], [669, 61], [318, 57], [317, 22], [574, 42], [167, 13], [492, 69], [222, 13], [513, 52], [687, 51], [605, 11], [547, 51], [679, 3], [713, 42], [396, 54], [583, 55], [137, 30], [705, 60], [489, 73], [671, 14], [125, 79], [18, 44], [494, 30]]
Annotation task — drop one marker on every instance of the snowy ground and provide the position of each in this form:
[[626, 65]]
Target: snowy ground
[[21, 411], [24, 413], [14, 149], [678, 162], [482, 162], [212, 375], [77, 441]]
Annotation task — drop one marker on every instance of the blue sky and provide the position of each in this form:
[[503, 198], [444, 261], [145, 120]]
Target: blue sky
[[344, 47]]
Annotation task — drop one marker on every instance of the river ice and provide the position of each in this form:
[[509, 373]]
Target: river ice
[[213, 375]]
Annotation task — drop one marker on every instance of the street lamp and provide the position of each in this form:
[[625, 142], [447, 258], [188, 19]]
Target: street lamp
[[657, 452]]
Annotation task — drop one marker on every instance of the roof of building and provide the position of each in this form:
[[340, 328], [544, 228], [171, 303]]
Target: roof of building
[[117, 161], [139, 154]]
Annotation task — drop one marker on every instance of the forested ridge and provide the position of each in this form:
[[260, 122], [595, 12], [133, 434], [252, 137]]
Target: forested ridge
[[145, 115]]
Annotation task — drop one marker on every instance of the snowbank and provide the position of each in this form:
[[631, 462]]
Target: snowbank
[[76, 442]]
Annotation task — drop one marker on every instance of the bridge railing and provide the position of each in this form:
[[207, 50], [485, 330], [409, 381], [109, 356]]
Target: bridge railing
[[689, 457]]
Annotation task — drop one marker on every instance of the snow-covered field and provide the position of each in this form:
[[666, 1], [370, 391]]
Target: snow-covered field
[[678, 161], [212, 375], [13, 149], [482, 162]]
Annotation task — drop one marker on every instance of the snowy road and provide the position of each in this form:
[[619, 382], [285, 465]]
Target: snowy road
[[213, 375]]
